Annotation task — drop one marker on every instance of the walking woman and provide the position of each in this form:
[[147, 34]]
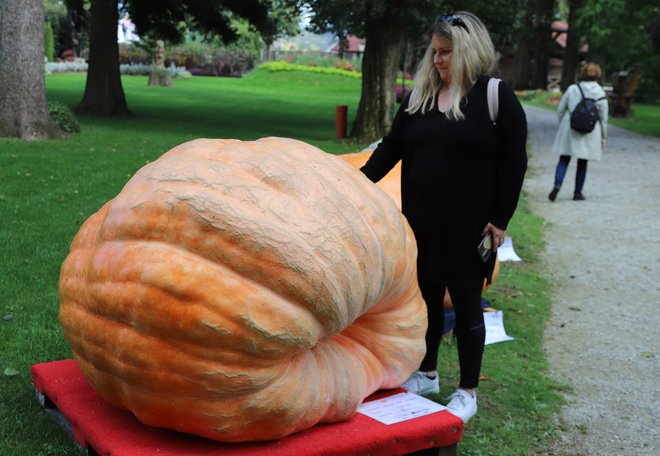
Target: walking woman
[[570, 143], [461, 179]]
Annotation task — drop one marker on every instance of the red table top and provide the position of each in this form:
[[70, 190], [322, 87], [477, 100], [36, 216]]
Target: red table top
[[112, 431]]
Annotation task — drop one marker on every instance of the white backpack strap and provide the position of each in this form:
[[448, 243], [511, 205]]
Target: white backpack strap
[[493, 98]]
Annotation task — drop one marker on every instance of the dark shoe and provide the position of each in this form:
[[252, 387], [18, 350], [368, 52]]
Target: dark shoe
[[578, 197], [553, 194]]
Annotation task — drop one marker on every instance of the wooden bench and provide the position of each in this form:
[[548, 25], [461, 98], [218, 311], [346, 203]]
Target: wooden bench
[[624, 84]]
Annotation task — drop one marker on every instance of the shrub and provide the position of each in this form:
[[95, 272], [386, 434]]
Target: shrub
[[317, 59], [133, 69], [63, 117], [648, 89], [132, 54], [231, 61], [284, 66], [49, 42], [76, 66], [191, 54], [141, 69], [344, 65]]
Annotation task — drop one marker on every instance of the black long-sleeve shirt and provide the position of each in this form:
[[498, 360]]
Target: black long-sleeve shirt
[[457, 175]]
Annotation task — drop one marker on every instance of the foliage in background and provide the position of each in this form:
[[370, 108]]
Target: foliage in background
[[49, 42], [199, 56], [338, 67], [63, 117], [503, 18], [56, 17], [621, 34], [171, 70], [285, 16], [126, 68], [321, 59]]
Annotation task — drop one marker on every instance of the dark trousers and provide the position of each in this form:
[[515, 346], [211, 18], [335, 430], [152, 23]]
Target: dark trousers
[[465, 289], [580, 175]]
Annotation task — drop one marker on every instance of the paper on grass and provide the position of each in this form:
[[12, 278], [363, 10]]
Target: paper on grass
[[506, 253], [399, 407], [495, 332]]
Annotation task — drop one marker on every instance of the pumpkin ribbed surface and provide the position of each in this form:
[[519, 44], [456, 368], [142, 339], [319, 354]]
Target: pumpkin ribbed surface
[[390, 184], [244, 291]]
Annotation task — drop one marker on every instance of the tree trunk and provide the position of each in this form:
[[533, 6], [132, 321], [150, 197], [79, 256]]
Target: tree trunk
[[23, 107], [572, 52], [74, 32], [521, 64], [382, 52], [343, 44], [521, 67], [543, 37], [104, 94]]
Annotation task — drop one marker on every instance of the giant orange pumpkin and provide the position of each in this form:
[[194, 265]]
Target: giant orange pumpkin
[[244, 291], [390, 184]]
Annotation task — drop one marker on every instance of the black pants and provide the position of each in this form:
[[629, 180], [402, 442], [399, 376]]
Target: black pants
[[465, 284]]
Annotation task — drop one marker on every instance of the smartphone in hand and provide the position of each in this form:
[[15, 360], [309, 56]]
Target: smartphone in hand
[[485, 247]]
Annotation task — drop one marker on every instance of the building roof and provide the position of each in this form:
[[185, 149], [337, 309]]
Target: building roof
[[355, 44], [560, 31]]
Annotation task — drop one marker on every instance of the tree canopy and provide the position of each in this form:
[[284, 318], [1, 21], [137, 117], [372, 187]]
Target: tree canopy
[[166, 20]]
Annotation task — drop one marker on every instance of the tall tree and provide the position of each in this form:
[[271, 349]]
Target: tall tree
[[285, 20], [104, 93], [23, 107], [620, 35], [543, 38], [382, 23], [166, 19], [572, 51], [523, 54], [380, 64]]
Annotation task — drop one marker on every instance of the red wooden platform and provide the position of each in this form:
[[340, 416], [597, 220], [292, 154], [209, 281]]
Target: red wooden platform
[[101, 428]]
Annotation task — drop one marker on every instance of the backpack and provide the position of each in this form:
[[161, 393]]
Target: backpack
[[585, 114]]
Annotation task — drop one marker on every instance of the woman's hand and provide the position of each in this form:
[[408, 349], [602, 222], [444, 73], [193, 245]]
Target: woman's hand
[[498, 235]]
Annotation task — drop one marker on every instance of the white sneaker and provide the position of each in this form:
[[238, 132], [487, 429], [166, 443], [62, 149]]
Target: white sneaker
[[420, 383], [462, 404]]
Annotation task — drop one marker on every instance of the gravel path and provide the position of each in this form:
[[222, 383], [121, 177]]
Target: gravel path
[[603, 255]]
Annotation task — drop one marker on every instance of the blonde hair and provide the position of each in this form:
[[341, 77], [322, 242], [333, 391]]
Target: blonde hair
[[591, 72], [473, 54]]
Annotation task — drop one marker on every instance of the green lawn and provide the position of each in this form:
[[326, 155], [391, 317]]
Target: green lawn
[[47, 189]]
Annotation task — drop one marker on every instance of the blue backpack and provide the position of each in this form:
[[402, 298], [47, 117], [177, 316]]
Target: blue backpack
[[585, 114]]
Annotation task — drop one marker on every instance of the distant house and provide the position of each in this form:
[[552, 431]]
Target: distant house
[[126, 30], [355, 47], [559, 32]]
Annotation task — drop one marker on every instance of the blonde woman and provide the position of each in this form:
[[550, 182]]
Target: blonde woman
[[570, 143], [461, 179]]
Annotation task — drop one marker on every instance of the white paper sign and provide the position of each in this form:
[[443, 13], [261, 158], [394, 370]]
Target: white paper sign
[[494, 322], [506, 253], [399, 407]]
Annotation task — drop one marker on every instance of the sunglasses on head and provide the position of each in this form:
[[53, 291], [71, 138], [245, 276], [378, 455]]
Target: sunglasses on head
[[452, 19]]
